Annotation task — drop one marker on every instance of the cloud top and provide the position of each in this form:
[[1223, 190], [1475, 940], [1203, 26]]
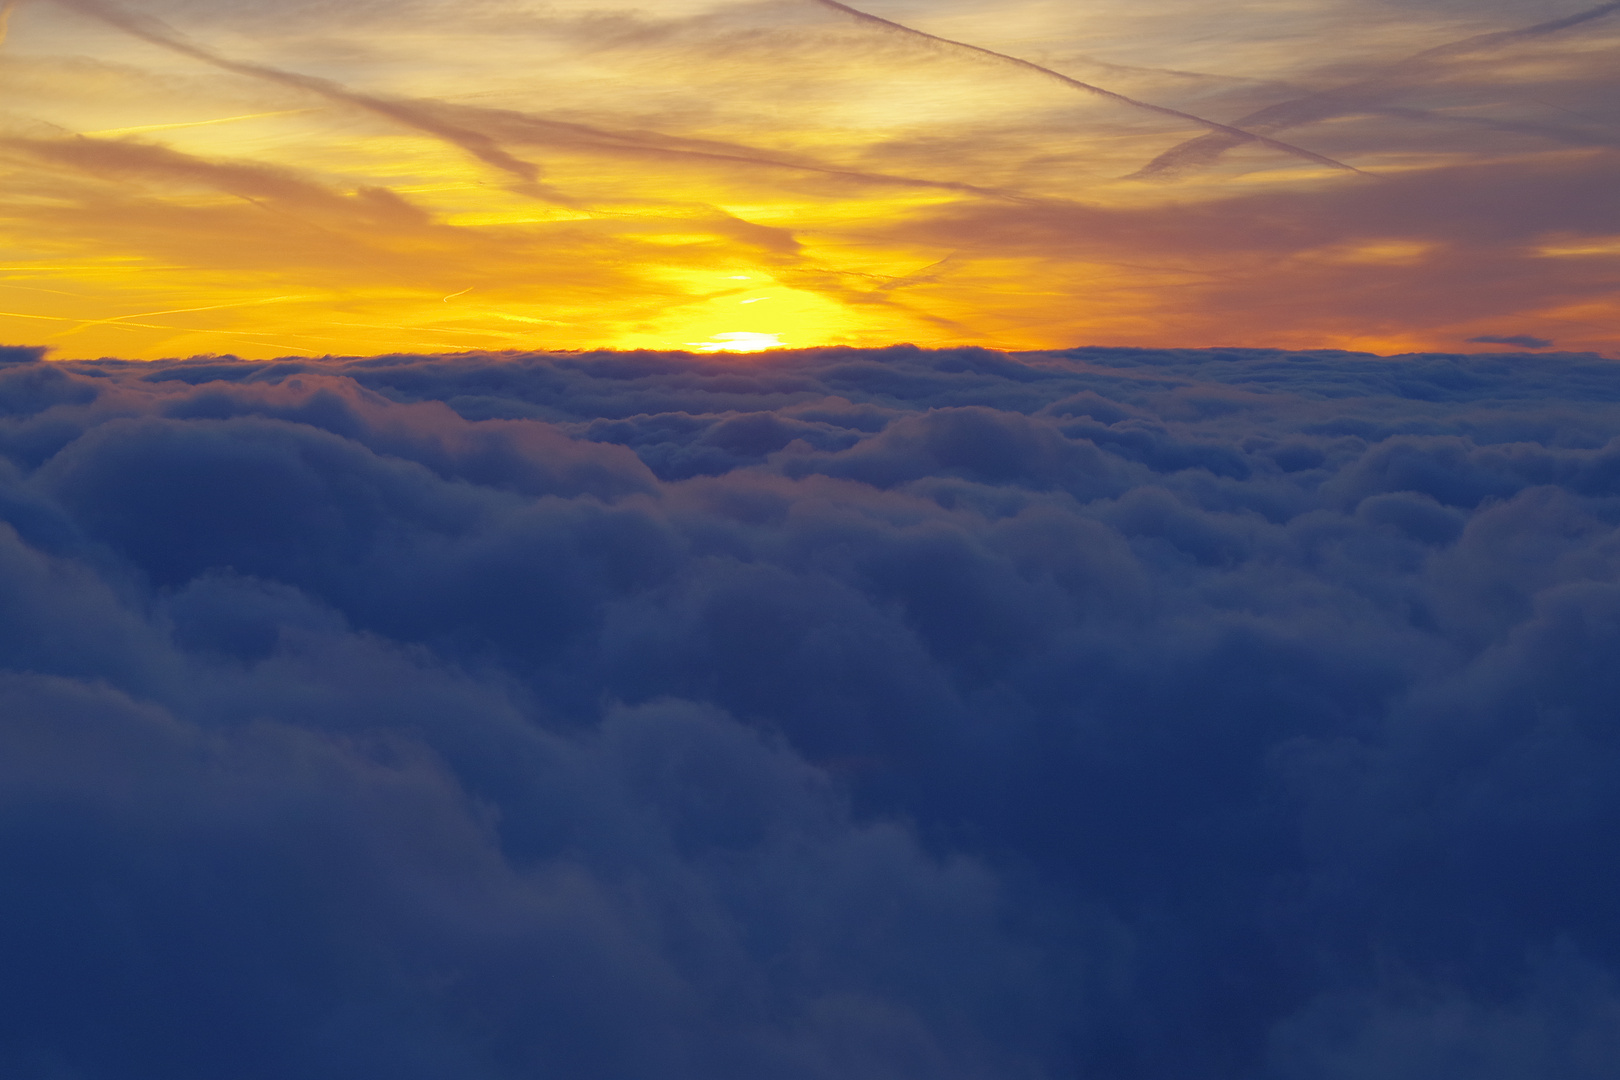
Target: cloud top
[[893, 713]]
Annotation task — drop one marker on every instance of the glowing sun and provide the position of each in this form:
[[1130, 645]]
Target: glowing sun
[[738, 341]]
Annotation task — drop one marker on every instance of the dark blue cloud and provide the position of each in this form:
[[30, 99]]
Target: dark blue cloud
[[1524, 341], [863, 714], [22, 354]]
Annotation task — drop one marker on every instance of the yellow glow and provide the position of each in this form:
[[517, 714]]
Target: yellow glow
[[738, 341], [1596, 246], [1379, 253]]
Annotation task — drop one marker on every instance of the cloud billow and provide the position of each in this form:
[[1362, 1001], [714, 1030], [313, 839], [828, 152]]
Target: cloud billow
[[838, 713]]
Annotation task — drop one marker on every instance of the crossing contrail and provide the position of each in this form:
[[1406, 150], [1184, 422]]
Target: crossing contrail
[[1028, 65]]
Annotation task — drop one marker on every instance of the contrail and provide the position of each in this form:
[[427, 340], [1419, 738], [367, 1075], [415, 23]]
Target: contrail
[[1328, 103], [85, 324], [118, 324], [1550, 27], [476, 143], [145, 128], [1163, 110], [5, 18]]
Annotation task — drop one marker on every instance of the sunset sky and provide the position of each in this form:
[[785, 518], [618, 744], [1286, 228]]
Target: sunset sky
[[801, 540], [184, 177]]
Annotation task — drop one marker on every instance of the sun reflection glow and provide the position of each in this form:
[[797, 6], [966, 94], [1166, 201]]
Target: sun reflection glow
[[738, 341]]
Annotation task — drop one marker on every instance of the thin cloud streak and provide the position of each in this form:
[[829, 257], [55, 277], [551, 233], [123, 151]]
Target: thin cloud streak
[[147, 129], [87, 324]]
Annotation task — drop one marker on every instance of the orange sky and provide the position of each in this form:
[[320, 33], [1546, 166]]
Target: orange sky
[[292, 176]]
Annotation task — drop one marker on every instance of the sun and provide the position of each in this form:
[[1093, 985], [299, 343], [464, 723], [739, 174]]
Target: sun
[[740, 341]]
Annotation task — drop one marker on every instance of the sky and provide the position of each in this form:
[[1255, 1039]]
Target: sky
[[289, 177], [792, 540], [835, 714]]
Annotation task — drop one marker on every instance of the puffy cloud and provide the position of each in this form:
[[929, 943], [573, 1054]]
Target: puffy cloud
[[837, 713]]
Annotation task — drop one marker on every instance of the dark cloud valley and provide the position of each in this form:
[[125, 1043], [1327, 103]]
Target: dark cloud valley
[[861, 714]]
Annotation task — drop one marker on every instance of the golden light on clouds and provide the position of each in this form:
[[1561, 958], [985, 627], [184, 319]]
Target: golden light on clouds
[[409, 175]]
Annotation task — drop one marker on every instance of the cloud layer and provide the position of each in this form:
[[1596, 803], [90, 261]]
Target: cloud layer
[[875, 714]]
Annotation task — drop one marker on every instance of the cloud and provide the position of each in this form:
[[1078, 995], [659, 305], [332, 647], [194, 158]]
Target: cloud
[[830, 713], [1524, 340]]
